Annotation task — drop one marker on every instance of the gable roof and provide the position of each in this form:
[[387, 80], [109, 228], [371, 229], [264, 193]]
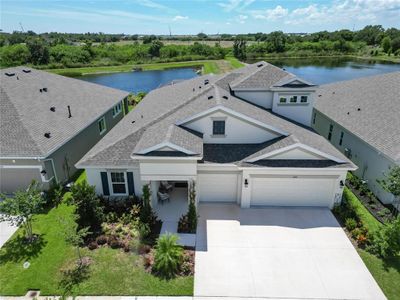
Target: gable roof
[[150, 123], [368, 107], [25, 114]]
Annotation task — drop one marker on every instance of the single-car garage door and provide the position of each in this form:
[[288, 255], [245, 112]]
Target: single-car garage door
[[289, 191], [218, 187], [13, 179]]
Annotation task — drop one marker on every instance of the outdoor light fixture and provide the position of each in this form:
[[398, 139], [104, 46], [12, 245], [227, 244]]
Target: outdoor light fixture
[[246, 182], [43, 172], [341, 184]]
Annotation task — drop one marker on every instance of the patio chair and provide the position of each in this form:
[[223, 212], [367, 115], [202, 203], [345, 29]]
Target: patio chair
[[162, 197], [167, 186]]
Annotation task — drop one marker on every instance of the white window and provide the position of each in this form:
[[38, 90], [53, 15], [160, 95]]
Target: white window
[[293, 99], [102, 125], [118, 183], [282, 100], [117, 109], [303, 99]]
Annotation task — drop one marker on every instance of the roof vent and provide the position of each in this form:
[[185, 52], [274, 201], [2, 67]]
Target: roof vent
[[141, 116], [259, 65], [53, 108], [283, 69], [206, 81], [358, 109], [133, 122], [69, 112], [40, 90], [199, 86], [26, 70], [193, 89], [44, 89], [47, 134], [333, 93], [348, 113], [210, 97], [10, 74], [319, 95], [225, 97]]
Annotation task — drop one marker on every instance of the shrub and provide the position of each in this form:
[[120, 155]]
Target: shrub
[[356, 232], [188, 223], [350, 224], [384, 212], [92, 245], [144, 249], [168, 256], [386, 242], [101, 240], [88, 206], [114, 242]]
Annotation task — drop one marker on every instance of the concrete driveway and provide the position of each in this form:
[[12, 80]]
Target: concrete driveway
[[6, 231], [277, 253]]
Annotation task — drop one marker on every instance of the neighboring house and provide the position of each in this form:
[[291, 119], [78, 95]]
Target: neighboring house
[[361, 118], [235, 135], [48, 122]]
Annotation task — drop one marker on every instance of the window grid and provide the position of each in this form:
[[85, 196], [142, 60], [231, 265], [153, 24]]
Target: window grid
[[341, 138], [330, 132], [219, 127], [102, 125]]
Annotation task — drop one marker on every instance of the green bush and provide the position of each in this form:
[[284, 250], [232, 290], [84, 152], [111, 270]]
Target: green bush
[[386, 242], [350, 224], [168, 256]]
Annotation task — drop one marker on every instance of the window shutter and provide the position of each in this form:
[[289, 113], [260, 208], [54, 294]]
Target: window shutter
[[131, 186], [104, 181]]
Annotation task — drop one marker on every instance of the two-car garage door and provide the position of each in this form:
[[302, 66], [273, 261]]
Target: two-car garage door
[[292, 191]]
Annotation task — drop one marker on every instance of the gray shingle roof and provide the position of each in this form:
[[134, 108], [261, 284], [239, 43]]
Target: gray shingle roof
[[162, 108], [368, 107], [25, 114]]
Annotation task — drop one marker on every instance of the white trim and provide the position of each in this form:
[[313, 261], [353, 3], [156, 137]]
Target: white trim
[[233, 113], [166, 144], [166, 158], [22, 157], [289, 80], [110, 183], [297, 145], [294, 169], [54, 168], [105, 125], [119, 104]]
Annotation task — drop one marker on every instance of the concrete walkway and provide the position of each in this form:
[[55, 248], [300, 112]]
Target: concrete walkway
[[277, 253], [6, 231]]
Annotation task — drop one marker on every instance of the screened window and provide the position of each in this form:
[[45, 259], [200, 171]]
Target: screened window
[[117, 109], [330, 132], [282, 99], [118, 182], [341, 138], [102, 125], [303, 99], [219, 127], [293, 99]]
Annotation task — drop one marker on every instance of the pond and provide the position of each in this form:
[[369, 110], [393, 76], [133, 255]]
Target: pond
[[316, 70], [327, 69], [140, 81]]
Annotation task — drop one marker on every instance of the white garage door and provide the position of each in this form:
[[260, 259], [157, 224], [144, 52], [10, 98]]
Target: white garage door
[[217, 187], [288, 191], [13, 179]]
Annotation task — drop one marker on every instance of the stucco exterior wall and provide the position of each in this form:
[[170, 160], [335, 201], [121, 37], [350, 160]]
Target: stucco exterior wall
[[236, 130], [299, 112], [371, 163], [260, 98], [70, 153]]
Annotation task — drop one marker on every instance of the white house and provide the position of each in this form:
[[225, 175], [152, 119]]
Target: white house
[[361, 118], [243, 137]]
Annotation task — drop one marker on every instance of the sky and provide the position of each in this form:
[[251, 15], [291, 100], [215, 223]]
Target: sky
[[194, 16]]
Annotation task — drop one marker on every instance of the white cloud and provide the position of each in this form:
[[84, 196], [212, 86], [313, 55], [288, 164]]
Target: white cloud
[[152, 4], [271, 14], [242, 19], [235, 5], [178, 18]]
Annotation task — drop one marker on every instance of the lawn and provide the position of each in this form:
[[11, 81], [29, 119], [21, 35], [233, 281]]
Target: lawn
[[234, 62], [386, 272], [113, 272]]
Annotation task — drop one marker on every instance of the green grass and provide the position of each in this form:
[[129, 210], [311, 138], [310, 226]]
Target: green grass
[[235, 63], [210, 67], [365, 216], [385, 272], [112, 272]]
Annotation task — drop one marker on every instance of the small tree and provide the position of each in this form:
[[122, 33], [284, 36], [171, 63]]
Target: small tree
[[73, 235], [146, 212], [391, 184], [168, 256], [88, 206], [20, 209], [386, 44], [192, 214]]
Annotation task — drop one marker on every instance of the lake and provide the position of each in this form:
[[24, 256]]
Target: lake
[[316, 70], [140, 81]]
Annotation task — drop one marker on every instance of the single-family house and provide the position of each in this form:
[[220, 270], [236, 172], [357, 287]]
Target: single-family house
[[243, 137], [48, 122], [361, 118]]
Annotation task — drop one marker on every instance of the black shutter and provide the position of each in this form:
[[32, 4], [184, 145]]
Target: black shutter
[[104, 181], [131, 185]]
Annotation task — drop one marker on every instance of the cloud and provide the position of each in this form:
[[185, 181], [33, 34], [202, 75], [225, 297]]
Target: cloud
[[152, 4], [271, 14], [235, 5], [178, 18], [242, 19]]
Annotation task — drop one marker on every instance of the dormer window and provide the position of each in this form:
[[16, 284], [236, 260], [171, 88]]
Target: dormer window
[[282, 100], [293, 99], [303, 99]]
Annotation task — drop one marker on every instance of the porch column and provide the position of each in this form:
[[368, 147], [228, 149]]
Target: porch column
[[246, 190]]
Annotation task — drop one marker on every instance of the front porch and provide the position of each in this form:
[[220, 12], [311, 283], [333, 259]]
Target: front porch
[[170, 211]]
